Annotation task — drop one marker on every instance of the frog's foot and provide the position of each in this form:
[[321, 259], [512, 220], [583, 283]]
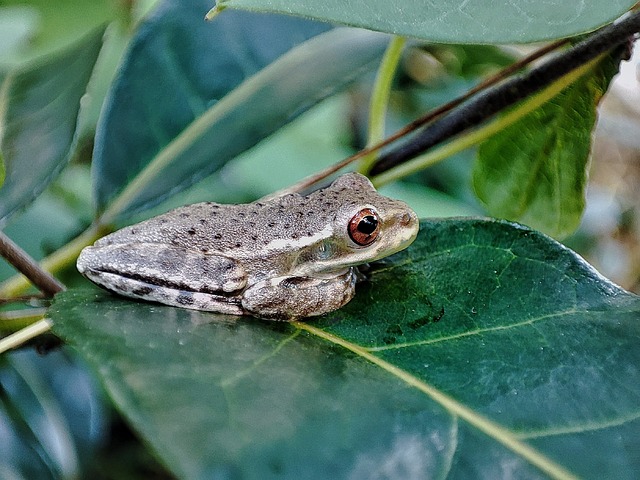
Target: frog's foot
[[290, 298], [166, 274]]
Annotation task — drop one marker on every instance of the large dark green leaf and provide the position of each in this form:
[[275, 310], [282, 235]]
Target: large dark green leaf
[[535, 171], [454, 21], [38, 111], [164, 108], [485, 350]]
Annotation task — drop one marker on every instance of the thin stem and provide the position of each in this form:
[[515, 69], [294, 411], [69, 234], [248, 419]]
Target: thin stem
[[479, 135], [22, 336], [307, 182], [56, 261], [17, 319], [23, 262], [511, 91], [380, 98]]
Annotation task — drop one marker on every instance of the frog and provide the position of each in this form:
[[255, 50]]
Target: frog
[[285, 257]]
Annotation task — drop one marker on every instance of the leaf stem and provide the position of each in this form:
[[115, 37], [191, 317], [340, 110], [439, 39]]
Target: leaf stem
[[511, 91], [438, 154], [28, 333], [486, 426], [54, 262], [380, 99], [429, 117], [23, 262], [17, 319]]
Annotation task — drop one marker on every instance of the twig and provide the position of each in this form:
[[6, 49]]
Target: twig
[[28, 333], [511, 91], [21, 260], [429, 117], [54, 262]]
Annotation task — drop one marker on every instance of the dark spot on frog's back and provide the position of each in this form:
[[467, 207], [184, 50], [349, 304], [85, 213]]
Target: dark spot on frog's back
[[185, 299], [142, 291], [191, 231]]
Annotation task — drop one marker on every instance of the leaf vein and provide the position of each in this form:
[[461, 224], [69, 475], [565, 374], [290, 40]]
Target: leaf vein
[[477, 331], [493, 430]]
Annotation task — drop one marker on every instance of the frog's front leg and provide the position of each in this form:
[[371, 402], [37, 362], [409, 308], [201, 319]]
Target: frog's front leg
[[289, 298], [166, 274]]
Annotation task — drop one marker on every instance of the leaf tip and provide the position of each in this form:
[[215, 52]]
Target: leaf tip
[[211, 14]]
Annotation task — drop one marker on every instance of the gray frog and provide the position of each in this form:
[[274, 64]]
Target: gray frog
[[284, 258]]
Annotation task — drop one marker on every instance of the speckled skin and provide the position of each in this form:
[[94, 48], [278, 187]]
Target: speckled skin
[[284, 258]]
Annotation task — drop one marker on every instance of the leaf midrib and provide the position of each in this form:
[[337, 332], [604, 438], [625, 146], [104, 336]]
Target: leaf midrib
[[493, 430]]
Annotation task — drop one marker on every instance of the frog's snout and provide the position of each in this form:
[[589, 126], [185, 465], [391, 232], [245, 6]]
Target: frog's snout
[[409, 222], [408, 219]]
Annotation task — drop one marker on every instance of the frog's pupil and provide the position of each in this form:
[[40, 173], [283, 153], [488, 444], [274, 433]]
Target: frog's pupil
[[368, 225]]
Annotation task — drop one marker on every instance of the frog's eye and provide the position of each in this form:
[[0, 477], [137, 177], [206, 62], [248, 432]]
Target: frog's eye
[[364, 227]]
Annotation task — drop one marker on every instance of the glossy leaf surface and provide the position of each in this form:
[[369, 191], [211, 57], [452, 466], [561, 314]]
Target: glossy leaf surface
[[454, 21], [485, 350], [39, 107], [216, 98]]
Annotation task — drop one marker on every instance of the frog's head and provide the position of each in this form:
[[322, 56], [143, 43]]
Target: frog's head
[[367, 226]]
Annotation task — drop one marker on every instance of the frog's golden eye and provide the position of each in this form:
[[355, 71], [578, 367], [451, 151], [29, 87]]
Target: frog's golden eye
[[364, 227]]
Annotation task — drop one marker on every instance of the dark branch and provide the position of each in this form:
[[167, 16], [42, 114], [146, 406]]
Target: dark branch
[[511, 91], [29, 267]]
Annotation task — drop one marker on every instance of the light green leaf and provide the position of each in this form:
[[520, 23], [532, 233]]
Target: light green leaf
[[17, 24], [453, 21], [535, 170], [39, 106], [485, 350], [42, 27]]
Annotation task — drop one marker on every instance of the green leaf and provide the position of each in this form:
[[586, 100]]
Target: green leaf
[[42, 27], [2, 170], [52, 416], [485, 350], [17, 24], [535, 170], [453, 21], [147, 121], [38, 111]]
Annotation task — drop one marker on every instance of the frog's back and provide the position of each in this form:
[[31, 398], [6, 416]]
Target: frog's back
[[210, 227]]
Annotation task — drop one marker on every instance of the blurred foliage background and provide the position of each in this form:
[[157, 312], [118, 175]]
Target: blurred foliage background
[[54, 421]]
